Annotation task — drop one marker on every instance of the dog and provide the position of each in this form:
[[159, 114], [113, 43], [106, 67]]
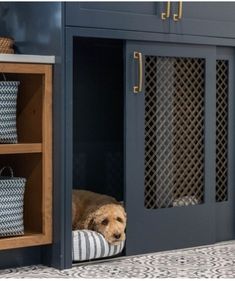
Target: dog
[[101, 213]]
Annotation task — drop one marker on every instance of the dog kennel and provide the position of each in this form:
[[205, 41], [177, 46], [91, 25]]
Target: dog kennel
[[98, 107], [166, 151]]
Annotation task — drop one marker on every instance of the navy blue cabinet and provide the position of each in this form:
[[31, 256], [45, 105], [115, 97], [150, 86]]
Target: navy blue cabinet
[[178, 146], [215, 19], [135, 16]]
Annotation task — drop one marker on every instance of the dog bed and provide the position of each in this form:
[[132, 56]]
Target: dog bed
[[88, 245]]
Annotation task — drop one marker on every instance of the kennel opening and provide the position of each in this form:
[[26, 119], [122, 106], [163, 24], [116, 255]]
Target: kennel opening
[[98, 116]]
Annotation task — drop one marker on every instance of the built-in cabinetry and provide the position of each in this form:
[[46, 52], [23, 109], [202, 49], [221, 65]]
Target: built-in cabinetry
[[31, 157], [166, 41], [177, 192], [185, 18]]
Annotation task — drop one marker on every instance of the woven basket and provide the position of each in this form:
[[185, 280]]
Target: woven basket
[[6, 42], [11, 204], [6, 51], [8, 104]]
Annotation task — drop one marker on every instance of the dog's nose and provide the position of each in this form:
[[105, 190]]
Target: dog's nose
[[117, 235]]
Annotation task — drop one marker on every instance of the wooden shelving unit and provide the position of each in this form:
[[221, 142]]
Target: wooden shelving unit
[[31, 157]]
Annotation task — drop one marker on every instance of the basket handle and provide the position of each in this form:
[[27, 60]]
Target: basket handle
[[9, 168], [4, 76]]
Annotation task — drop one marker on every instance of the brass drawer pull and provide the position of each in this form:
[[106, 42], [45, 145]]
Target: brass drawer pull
[[177, 17], [138, 88], [166, 14]]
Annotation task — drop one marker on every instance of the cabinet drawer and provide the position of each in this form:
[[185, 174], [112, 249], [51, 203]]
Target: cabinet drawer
[[216, 19], [135, 16]]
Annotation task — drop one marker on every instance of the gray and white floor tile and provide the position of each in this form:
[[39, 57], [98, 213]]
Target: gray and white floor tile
[[214, 261]]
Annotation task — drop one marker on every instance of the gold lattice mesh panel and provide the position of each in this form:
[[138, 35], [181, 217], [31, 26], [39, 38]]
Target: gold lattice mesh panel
[[221, 130], [174, 131]]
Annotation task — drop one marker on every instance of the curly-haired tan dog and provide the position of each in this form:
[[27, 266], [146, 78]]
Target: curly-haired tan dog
[[100, 213]]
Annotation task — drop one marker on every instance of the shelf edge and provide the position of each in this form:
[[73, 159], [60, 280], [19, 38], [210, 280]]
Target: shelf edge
[[20, 148]]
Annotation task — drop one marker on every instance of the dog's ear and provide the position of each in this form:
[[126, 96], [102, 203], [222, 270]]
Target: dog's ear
[[88, 220], [91, 224], [121, 203], [124, 214]]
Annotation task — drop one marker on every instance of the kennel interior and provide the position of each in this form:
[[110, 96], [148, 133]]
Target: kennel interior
[[98, 114]]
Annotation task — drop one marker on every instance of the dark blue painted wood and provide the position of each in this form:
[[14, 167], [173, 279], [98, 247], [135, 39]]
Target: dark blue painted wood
[[202, 18], [212, 19], [225, 211], [136, 16], [68, 148], [153, 230], [148, 36], [21, 257]]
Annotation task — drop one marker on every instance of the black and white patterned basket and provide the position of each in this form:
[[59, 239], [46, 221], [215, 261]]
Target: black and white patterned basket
[[11, 204], [8, 105]]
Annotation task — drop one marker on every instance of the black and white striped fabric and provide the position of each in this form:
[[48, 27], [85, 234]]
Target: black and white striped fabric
[[8, 104], [88, 245], [11, 205]]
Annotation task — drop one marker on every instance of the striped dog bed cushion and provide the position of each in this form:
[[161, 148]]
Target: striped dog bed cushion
[[88, 245]]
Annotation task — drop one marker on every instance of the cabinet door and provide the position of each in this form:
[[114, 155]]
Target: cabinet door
[[205, 18], [135, 16], [170, 145], [225, 118]]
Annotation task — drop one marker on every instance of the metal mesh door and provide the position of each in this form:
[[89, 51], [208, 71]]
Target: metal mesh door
[[221, 130], [174, 131]]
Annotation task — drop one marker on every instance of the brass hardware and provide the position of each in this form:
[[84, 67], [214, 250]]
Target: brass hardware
[[138, 56], [177, 17], [166, 15]]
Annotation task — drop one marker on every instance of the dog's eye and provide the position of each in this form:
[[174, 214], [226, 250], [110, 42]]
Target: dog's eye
[[119, 219], [105, 222]]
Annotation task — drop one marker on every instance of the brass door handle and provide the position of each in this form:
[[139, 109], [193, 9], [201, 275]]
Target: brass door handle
[[138, 88], [177, 17], [166, 14]]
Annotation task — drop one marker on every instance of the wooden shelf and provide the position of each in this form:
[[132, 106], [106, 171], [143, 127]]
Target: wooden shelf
[[20, 148], [31, 157], [26, 240]]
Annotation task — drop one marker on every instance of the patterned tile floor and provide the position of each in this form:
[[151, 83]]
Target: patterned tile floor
[[214, 261]]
